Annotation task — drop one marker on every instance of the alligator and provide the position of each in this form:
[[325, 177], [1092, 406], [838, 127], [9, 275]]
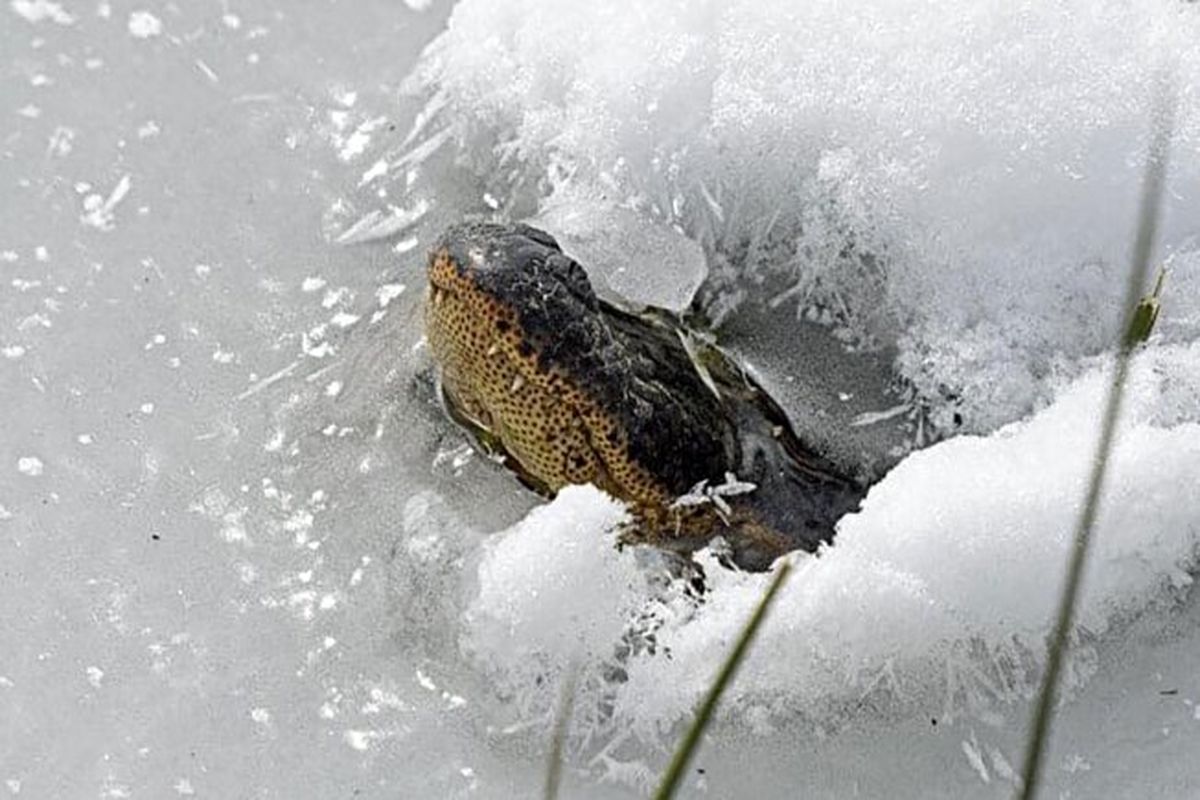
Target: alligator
[[565, 388]]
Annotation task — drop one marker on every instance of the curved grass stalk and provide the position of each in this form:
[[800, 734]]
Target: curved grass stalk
[[1131, 332], [691, 740]]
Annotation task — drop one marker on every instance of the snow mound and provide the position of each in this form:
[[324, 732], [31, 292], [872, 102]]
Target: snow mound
[[943, 586], [958, 180], [539, 589]]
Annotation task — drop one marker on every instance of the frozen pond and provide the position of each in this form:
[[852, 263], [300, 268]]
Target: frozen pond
[[243, 554]]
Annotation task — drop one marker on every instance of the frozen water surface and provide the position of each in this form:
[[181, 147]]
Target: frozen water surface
[[243, 554]]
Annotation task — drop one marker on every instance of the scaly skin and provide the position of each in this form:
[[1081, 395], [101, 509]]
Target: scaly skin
[[574, 390]]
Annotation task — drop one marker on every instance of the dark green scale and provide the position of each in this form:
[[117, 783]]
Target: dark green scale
[[667, 400]]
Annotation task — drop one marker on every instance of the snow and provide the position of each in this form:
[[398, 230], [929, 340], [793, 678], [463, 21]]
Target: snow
[[539, 589], [144, 25], [37, 10], [957, 549], [246, 554], [987, 157]]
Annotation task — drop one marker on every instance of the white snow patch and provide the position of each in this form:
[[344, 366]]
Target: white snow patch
[[554, 585], [144, 25], [378, 169], [962, 545], [30, 465], [388, 292], [335, 296], [406, 244], [359, 739], [94, 676], [37, 10], [98, 211]]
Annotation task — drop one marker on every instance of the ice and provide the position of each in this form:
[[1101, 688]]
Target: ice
[[668, 267], [244, 553], [957, 549], [958, 180]]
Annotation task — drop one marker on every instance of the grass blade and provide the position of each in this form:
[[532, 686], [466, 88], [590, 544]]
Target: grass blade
[[1152, 189], [687, 747], [554, 762]]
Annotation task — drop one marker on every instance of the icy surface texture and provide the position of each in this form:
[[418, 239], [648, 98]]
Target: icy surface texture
[[243, 553], [957, 553], [955, 184], [958, 179]]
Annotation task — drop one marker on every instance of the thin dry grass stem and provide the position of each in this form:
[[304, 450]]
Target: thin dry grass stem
[[558, 739], [691, 740], [1152, 189]]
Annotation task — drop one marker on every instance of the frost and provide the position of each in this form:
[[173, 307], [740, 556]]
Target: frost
[[98, 211], [379, 224], [702, 493], [61, 141], [38, 10], [94, 676], [975, 758], [30, 465], [975, 222], [352, 146], [206, 70], [956, 548], [388, 292], [144, 25]]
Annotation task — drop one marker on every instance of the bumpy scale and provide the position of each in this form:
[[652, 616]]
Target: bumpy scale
[[573, 390]]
